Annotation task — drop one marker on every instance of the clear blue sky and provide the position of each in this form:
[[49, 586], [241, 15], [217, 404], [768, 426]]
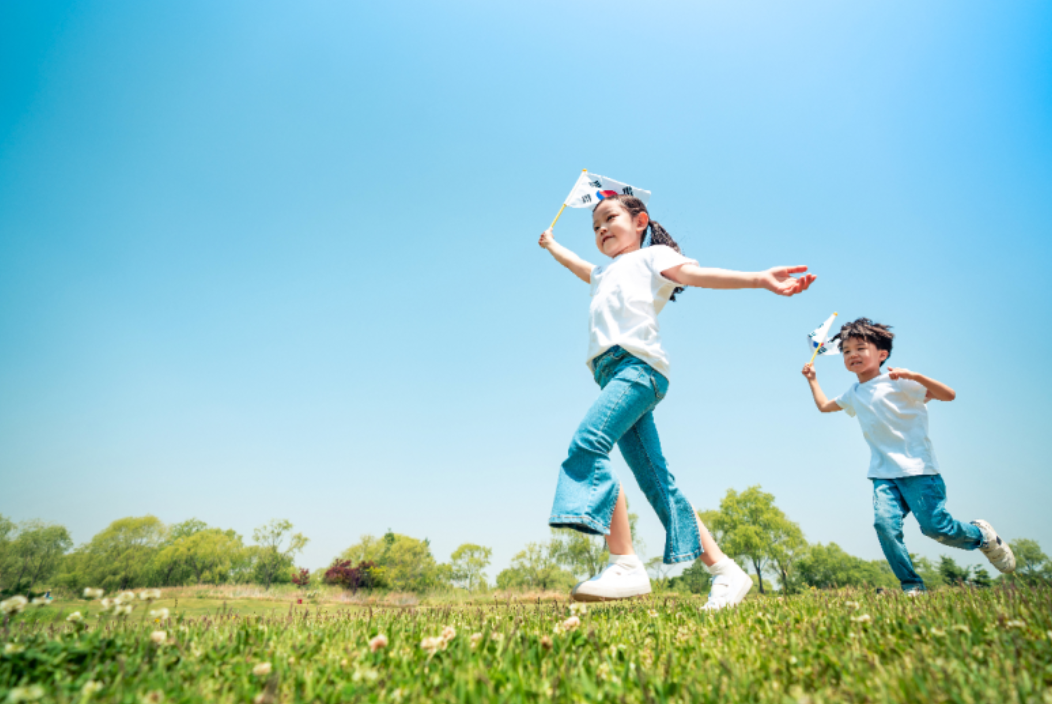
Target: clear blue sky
[[266, 260]]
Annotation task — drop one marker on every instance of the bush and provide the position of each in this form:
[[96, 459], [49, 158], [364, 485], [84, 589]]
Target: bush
[[365, 576]]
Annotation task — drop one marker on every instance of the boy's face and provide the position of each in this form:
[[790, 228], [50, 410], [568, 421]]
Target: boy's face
[[862, 357], [616, 231]]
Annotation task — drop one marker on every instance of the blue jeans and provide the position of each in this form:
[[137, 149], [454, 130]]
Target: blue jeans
[[925, 495], [623, 414]]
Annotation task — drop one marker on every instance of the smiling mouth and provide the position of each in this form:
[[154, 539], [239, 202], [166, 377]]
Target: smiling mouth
[[608, 237]]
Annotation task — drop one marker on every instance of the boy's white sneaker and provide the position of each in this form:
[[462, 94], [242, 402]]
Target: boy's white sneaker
[[998, 552], [616, 581], [728, 589]]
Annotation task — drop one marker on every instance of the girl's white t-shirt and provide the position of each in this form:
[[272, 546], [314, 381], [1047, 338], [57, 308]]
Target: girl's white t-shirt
[[627, 295], [894, 421]]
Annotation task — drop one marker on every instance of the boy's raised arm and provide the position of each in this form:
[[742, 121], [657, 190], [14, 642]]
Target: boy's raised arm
[[580, 268], [824, 404]]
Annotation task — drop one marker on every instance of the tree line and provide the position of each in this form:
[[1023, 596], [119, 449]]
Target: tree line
[[140, 552]]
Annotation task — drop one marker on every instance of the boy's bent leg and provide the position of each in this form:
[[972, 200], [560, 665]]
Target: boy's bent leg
[[587, 490], [641, 448], [926, 497], [889, 508]]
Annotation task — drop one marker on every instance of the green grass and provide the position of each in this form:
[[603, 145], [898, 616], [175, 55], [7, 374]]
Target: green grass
[[953, 645]]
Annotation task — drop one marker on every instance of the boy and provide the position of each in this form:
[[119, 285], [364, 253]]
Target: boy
[[891, 409]]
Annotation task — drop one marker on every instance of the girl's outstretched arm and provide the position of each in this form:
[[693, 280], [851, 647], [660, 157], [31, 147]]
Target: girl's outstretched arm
[[580, 268], [778, 279]]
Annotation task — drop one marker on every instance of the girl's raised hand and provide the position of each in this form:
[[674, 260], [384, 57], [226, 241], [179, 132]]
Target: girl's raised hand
[[546, 238], [780, 280]]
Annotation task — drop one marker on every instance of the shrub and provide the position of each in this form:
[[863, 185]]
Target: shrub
[[365, 576]]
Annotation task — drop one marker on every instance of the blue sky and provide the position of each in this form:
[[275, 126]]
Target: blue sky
[[260, 260]]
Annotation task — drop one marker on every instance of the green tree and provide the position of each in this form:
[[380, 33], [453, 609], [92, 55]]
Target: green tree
[[828, 566], [208, 555], [273, 556], [178, 531], [981, 578], [536, 567], [33, 555], [118, 557], [926, 571], [952, 573], [696, 579], [1031, 563], [752, 528], [468, 565], [405, 563]]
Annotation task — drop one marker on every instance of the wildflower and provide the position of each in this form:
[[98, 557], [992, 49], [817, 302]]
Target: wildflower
[[150, 594], [160, 614], [378, 643], [961, 628], [159, 637], [852, 604], [571, 623], [90, 687], [652, 613], [12, 649], [578, 608], [107, 604], [26, 694], [125, 597], [75, 617], [90, 593], [475, 638], [937, 632], [122, 609], [262, 669], [153, 697], [13, 605], [292, 659], [1016, 624], [546, 642], [864, 618], [41, 601], [432, 645], [448, 633]]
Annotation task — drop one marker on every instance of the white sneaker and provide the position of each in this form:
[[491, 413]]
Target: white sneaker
[[996, 550], [728, 589], [616, 581]]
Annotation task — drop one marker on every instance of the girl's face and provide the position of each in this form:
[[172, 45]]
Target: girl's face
[[616, 231]]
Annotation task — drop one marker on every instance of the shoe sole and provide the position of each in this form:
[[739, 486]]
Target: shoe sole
[[1010, 568], [577, 596]]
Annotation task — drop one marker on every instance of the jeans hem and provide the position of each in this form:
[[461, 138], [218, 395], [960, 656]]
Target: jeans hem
[[585, 524], [683, 557]]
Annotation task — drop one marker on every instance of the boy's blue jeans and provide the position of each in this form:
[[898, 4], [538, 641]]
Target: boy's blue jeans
[[925, 495], [588, 489]]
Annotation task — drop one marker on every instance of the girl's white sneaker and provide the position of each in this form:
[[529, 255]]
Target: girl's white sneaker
[[998, 552], [616, 581], [728, 589]]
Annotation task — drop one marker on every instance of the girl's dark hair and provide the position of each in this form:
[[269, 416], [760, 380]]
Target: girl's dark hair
[[658, 234], [865, 329]]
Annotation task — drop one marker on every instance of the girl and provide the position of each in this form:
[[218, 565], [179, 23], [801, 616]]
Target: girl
[[626, 358]]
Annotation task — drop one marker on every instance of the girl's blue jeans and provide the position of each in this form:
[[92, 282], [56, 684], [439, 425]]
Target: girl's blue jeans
[[925, 495], [623, 414]]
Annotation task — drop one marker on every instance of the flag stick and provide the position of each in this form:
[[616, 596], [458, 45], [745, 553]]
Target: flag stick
[[815, 354], [561, 209]]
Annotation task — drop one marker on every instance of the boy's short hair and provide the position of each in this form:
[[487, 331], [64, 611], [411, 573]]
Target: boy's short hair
[[865, 329]]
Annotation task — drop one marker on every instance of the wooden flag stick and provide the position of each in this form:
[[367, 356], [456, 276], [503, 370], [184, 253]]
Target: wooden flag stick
[[561, 209]]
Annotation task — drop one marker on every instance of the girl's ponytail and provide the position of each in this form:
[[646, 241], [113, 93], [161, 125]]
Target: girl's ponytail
[[658, 234]]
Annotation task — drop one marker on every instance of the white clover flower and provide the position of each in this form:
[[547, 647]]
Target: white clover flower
[[75, 617], [578, 608], [154, 697], [125, 597], [13, 649], [122, 610], [864, 618], [13, 605], [431, 645], [90, 687], [652, 613], [852, 604], [378, 643], [26, 694], [448, 633], [161, 614], [1017, 623], [90, 593], [937, 632], [475, 638], [159, 637], [571, 623], [150, 594], [41, 601], [262, 669], [960, 627]]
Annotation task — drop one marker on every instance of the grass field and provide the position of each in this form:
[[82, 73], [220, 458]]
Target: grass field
[[953, 645]]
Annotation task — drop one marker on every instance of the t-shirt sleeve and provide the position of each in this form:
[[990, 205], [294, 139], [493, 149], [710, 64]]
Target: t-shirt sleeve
[[915, 390], [844, 401], [662, 257]]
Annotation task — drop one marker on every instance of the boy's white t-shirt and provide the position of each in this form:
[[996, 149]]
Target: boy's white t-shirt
[[627, 295], [894, 421]]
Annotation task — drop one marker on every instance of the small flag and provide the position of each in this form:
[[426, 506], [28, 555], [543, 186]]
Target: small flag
[[591, 189], [817, 342]]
